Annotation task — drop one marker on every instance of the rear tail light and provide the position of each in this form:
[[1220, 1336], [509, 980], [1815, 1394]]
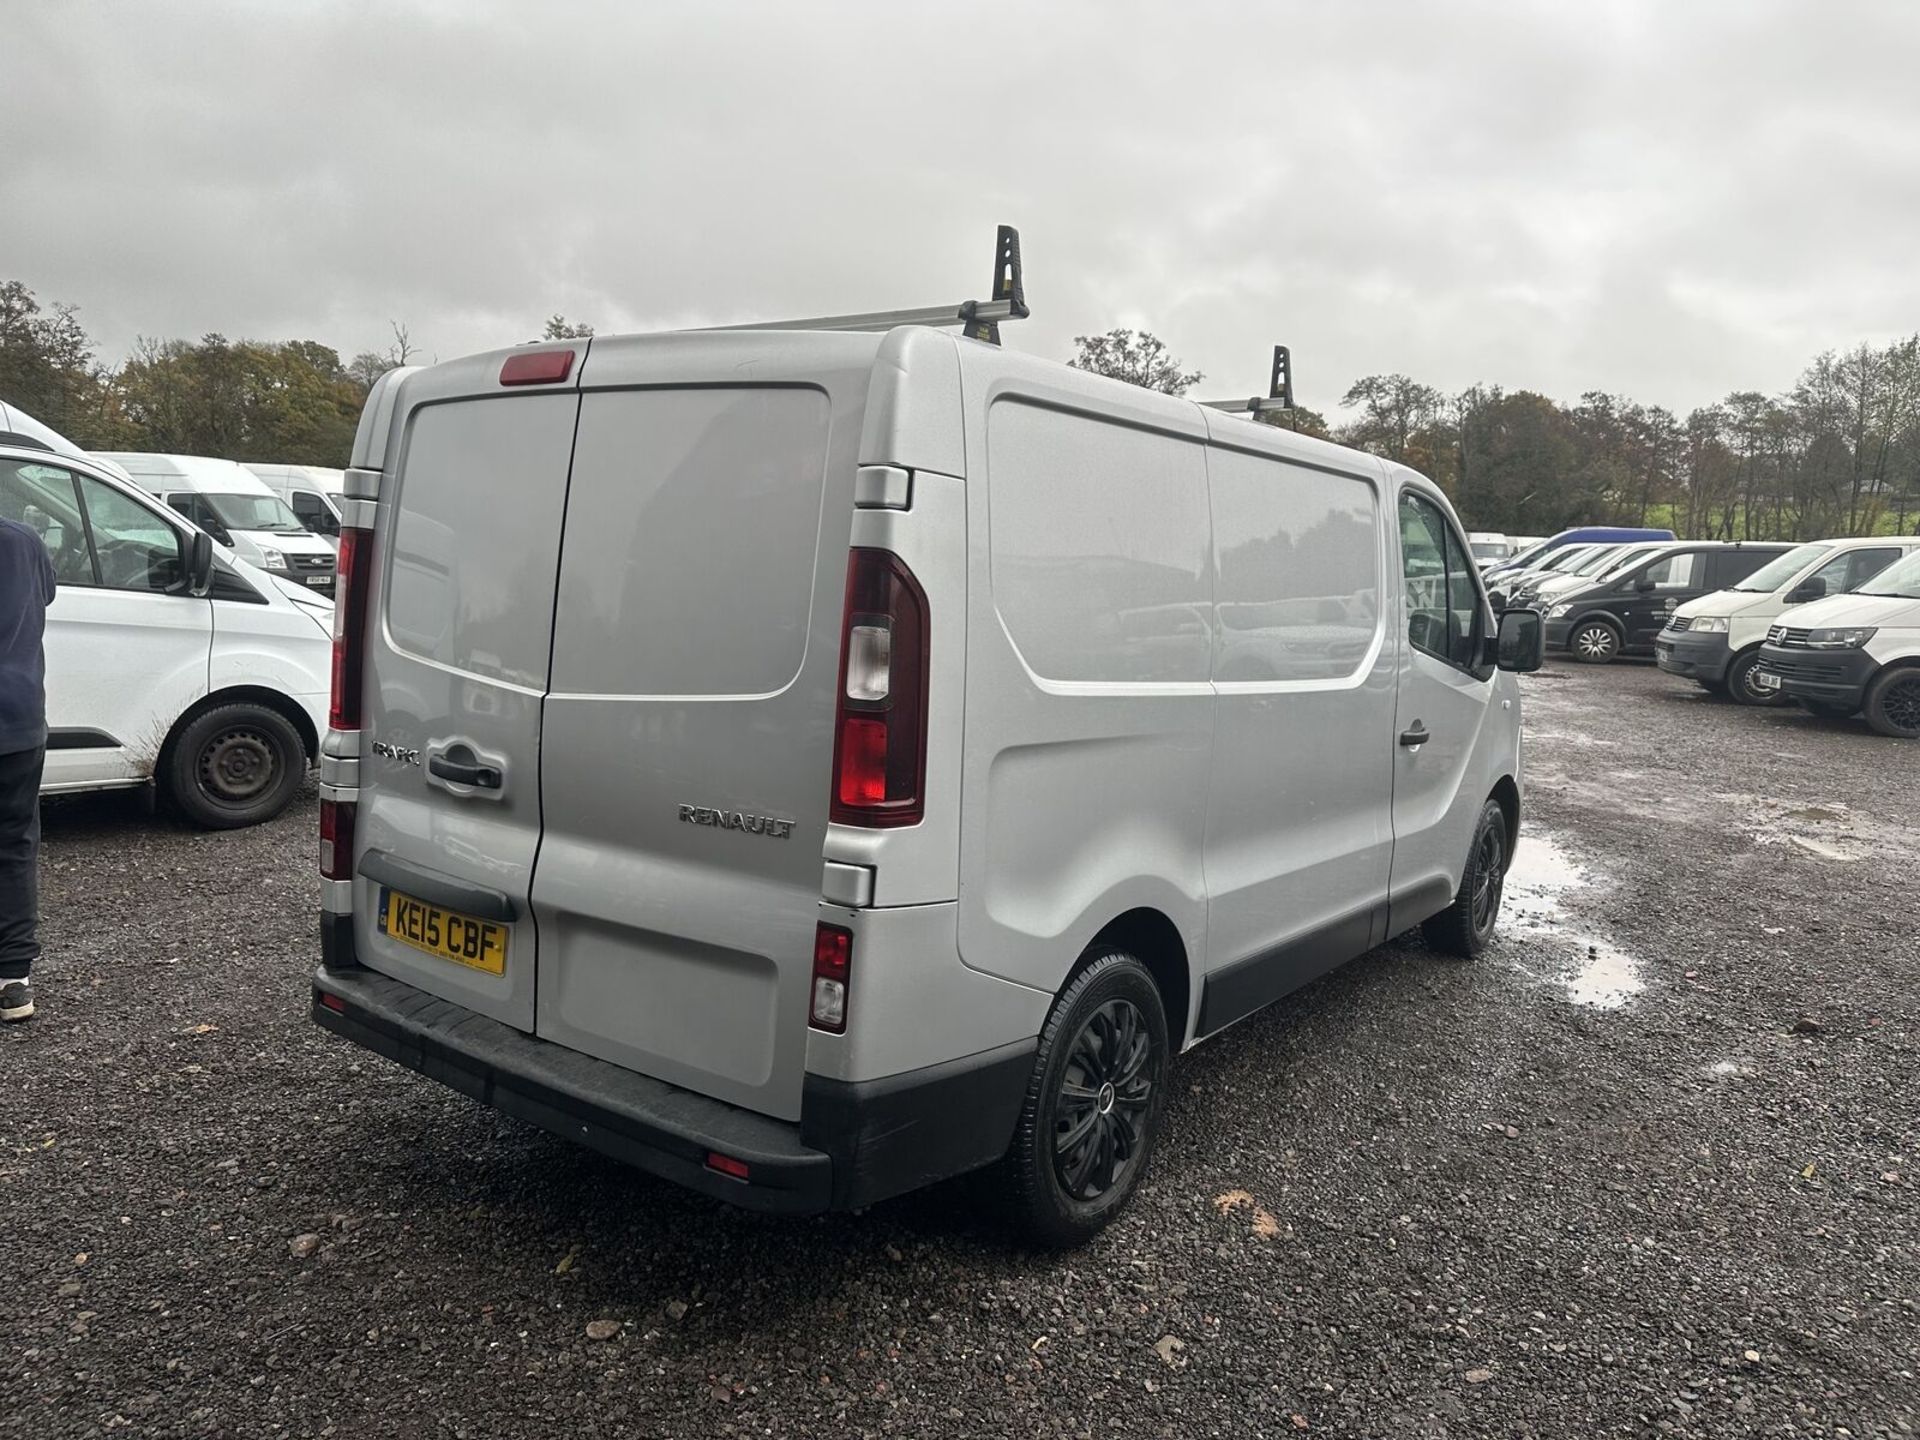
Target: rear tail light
[[880, 735], [352, 587], [832, 966], [336, 839]]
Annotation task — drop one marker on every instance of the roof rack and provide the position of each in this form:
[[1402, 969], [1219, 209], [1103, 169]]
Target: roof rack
[[1279, 394], [980, 318]]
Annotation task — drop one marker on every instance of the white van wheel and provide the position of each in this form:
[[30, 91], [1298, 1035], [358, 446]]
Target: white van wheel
[[1893, 704], [234, 765]]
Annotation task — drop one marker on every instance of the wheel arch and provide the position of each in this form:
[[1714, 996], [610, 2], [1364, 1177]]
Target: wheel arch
[[1506, 794], [1154, 940], [284, 705]]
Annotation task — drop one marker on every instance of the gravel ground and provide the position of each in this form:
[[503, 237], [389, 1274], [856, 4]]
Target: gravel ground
[[1420, 1198]]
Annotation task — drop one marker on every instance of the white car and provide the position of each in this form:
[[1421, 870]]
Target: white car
[[169, 661]]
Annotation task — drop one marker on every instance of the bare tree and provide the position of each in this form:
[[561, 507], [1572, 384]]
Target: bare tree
[[1139, 358]]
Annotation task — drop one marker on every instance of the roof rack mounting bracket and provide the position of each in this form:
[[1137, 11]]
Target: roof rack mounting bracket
[[980, 318], [1279, 394]]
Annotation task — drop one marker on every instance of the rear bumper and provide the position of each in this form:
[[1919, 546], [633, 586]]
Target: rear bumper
[[856, 1142], [1835, 677], [1698, 657]]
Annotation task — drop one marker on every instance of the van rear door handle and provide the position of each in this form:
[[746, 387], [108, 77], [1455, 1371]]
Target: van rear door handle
[[1416, 736], [481, 777]]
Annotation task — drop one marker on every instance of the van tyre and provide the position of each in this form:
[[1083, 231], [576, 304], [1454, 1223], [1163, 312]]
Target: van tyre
[[234, 765], [1594, 642], [1093, 1105], [1740, 678], [1893, 703], [1466, 926]]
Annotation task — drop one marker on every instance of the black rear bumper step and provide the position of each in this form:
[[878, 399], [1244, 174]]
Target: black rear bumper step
[[858, 1142]]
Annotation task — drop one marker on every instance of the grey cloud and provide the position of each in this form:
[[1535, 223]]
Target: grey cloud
[[1668, 201]]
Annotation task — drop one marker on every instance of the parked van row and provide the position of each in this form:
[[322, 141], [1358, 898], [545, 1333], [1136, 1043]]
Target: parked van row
[[1833, 625], [806, 765], [172, 662], [235, 507]]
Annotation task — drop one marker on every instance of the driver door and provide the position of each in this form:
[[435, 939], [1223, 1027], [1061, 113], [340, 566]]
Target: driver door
[[124, 657], [1675, 578]]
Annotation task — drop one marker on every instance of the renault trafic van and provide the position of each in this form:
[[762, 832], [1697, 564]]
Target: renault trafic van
[[807, 765], [312, 492], [1852, 654], [233, 505], [1716, 639], [169, 663]]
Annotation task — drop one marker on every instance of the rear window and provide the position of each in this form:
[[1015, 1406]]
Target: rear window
[[693, 519], [475, 533]]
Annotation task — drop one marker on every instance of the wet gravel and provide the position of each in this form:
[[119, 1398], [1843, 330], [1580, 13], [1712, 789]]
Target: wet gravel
[[1420, 1198]]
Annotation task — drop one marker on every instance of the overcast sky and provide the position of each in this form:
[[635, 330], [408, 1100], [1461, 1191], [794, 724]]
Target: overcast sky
[[1670, 201]]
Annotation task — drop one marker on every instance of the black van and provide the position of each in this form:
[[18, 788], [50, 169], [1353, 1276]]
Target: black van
[[1620, 614]]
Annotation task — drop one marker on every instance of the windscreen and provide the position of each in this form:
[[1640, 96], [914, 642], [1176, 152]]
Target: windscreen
[[1488, 549], [1782, 568], [255, 512]]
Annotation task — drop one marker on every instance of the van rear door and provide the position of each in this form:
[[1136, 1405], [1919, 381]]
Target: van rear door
[[689, 730], [467, 543]]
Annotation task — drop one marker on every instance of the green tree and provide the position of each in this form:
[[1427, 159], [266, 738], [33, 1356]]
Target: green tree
[[47, 365], [292, 403], [559, 328], [1137, 357]]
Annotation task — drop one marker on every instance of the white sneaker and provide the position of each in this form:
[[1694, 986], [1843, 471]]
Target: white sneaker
[[16, 1000]]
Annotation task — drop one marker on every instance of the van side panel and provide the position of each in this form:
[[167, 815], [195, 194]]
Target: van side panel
[[1299, 823], [1089, 707]]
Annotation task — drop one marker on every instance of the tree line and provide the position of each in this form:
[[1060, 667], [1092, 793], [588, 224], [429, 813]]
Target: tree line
[[1838, 453]]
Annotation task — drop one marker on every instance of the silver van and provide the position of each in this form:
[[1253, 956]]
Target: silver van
[[807, 765]]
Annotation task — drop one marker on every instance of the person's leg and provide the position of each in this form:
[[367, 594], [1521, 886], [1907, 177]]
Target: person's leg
[[19, 878]]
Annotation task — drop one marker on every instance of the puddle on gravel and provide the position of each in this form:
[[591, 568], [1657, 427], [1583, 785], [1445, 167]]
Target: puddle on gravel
[[1542, 873]]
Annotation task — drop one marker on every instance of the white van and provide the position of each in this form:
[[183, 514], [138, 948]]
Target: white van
[[168, 663], [1716, 639], [1489, 547], [1854, 654], [807, 765], [230, 503], [312, 492]]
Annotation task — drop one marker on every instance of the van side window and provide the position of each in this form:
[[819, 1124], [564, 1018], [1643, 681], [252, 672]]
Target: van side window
[[1443, 608], [1672, 572], [1297, 552], [133, 548], [314, 514], [1865, 564], [41, 497], [1100, 547]]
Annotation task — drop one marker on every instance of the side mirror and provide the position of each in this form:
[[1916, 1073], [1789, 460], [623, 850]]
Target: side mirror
[[1811, 588], [1644, 585], [199, 563], [1522, 641]]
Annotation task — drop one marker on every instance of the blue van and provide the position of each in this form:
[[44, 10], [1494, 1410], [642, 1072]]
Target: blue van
[[1579, 535]]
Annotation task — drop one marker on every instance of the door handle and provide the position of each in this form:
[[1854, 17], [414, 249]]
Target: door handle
[[481, 777], [1416, 736]]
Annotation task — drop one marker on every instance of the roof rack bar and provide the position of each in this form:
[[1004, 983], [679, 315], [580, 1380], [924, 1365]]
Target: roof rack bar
[[1279, 394], [980, 317]]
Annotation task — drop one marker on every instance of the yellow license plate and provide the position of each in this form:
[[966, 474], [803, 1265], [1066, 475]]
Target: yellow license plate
[[478, 944]]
